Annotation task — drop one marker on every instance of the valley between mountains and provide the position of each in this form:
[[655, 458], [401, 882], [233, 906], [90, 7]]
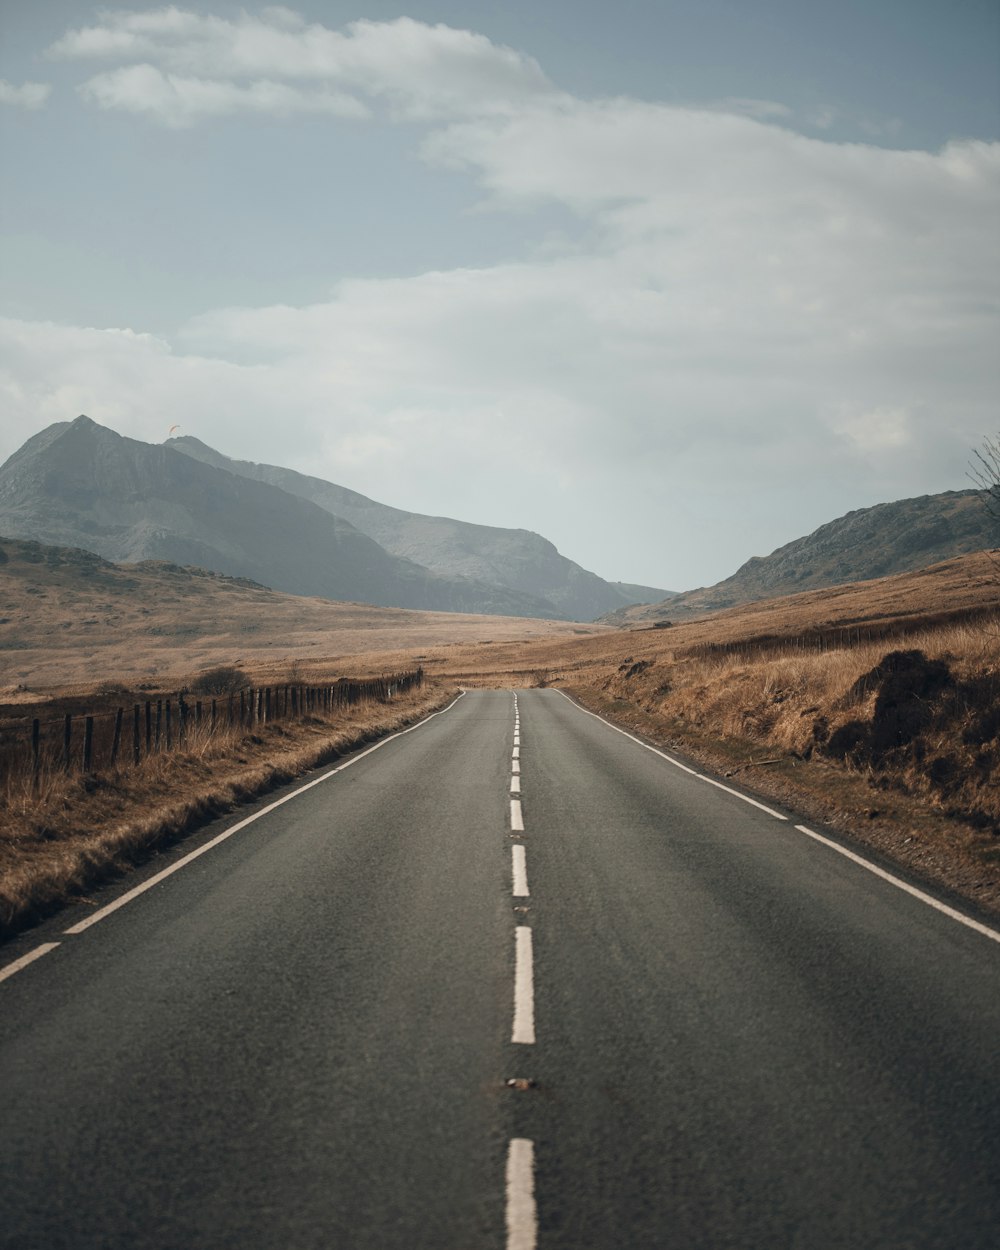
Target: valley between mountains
[[134, 574]]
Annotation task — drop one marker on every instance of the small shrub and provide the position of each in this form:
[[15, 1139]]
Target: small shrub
[[225, 679]]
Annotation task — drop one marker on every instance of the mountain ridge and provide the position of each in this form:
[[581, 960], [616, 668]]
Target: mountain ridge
[[516, 558], [79, 484], [862, 545]]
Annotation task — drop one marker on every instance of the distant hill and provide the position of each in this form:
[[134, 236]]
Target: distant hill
[[513, 558], [79, 484], [865, 544], [71, 618]]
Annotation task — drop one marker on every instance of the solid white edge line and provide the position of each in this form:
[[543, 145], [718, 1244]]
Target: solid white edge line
[[519, 872], [625, 734], [249, 820], [745, 797], [30, 958], [522, 1213], [523, 1031], [670, 759], [985, 930], [951, 912], [516, 816]]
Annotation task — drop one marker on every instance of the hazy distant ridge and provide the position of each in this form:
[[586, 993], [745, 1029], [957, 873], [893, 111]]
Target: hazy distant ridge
[[514, 558], [79, 484]]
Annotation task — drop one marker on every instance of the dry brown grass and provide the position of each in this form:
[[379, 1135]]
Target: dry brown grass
[[786, 719], [72, 832], [905, 761], [66, 617]]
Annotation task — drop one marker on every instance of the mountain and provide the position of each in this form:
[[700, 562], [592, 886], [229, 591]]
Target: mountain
[[78, 484], [867, 543], [513, 558]]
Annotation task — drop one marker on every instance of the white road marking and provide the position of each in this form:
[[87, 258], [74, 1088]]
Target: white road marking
[[519, 872], [670, 759], [662, 754], [522, 1216], [515, 766], [228, 833], [951, 912], [745, 797], [517, 740], [30, 958], [516, 816], [985, 930], [515, 753], [515, 784], [524, 988]]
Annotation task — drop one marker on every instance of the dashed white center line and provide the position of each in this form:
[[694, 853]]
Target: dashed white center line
[[515, 766], [516, 818], [516, 753], [519, 872], [517, 740], [524, 989], [522, 1215], [515, 785]]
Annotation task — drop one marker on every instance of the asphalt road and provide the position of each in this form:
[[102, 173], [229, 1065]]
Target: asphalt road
[[724, 1032]]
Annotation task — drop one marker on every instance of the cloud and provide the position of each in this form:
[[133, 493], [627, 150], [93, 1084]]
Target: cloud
[[417, 70], [30, 95], [753, 331], [178, 101], [762, 109]]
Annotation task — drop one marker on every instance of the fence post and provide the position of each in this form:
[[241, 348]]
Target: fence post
[[67, 740], [149, 727], [35, 753], [136, 736], [170, 727], [88, 743], [159, 722], [181, 720], [117, 739]]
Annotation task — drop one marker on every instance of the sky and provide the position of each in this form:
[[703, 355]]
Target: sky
[[671, 282]]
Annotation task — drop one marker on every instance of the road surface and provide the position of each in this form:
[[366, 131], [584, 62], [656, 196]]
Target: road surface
[[510, 979]]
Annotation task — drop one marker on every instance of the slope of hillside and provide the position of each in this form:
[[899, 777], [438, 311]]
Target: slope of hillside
[[69, 618], [514, 558], [79, 484], [868, 543]]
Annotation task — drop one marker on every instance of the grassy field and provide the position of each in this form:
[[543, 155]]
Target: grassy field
[[873, 707], [69, 833], [69, 620]]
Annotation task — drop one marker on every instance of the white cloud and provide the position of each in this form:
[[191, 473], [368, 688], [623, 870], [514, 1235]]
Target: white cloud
[[878, 430], [756, 331], [30, 95], [419, 71], [762, 109], [178, 101]]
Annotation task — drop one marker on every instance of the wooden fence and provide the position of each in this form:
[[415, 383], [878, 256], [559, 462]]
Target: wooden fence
[[123, 737]]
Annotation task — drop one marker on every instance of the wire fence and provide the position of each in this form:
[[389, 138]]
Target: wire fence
[[127, 736], [838, 637]]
